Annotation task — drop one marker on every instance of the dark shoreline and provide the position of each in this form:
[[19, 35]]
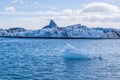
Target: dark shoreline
[[53, 37]]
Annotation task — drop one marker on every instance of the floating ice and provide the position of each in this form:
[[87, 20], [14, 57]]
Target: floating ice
[[54, 31], [72, 52]]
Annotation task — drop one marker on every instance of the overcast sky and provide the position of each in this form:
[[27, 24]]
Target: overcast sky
[[34, 14]]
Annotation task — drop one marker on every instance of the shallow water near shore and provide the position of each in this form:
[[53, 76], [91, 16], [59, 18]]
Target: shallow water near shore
[[59, 59]]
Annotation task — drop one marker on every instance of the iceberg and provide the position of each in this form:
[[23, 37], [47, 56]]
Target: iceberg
[[54, 31], [72, 52], [52, 24]]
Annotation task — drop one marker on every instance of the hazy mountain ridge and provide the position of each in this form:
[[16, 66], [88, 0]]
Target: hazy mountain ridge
[[53, 31]]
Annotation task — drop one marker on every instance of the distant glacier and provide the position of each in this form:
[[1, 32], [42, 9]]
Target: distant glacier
[[53, 31]]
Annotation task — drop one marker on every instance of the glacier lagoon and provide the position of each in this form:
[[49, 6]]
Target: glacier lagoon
[[59, 59]]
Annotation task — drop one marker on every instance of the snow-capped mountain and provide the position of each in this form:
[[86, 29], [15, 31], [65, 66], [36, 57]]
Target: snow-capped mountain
[[53, 31]]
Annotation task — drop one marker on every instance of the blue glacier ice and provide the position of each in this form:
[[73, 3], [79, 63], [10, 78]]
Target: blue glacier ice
[[53, 31], [52, 24], [72, 52]]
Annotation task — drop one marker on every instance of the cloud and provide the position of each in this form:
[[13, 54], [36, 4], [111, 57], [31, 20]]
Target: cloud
[[19, 1], [100, 7], [9, 9], [53, 8], [92, 14]]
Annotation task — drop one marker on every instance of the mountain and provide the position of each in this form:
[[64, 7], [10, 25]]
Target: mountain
[[53, 31]]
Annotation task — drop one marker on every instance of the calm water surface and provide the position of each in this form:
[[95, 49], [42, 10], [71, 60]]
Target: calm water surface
[[43, 59]]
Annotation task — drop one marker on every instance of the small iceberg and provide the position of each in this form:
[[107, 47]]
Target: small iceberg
[[72, 52]]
